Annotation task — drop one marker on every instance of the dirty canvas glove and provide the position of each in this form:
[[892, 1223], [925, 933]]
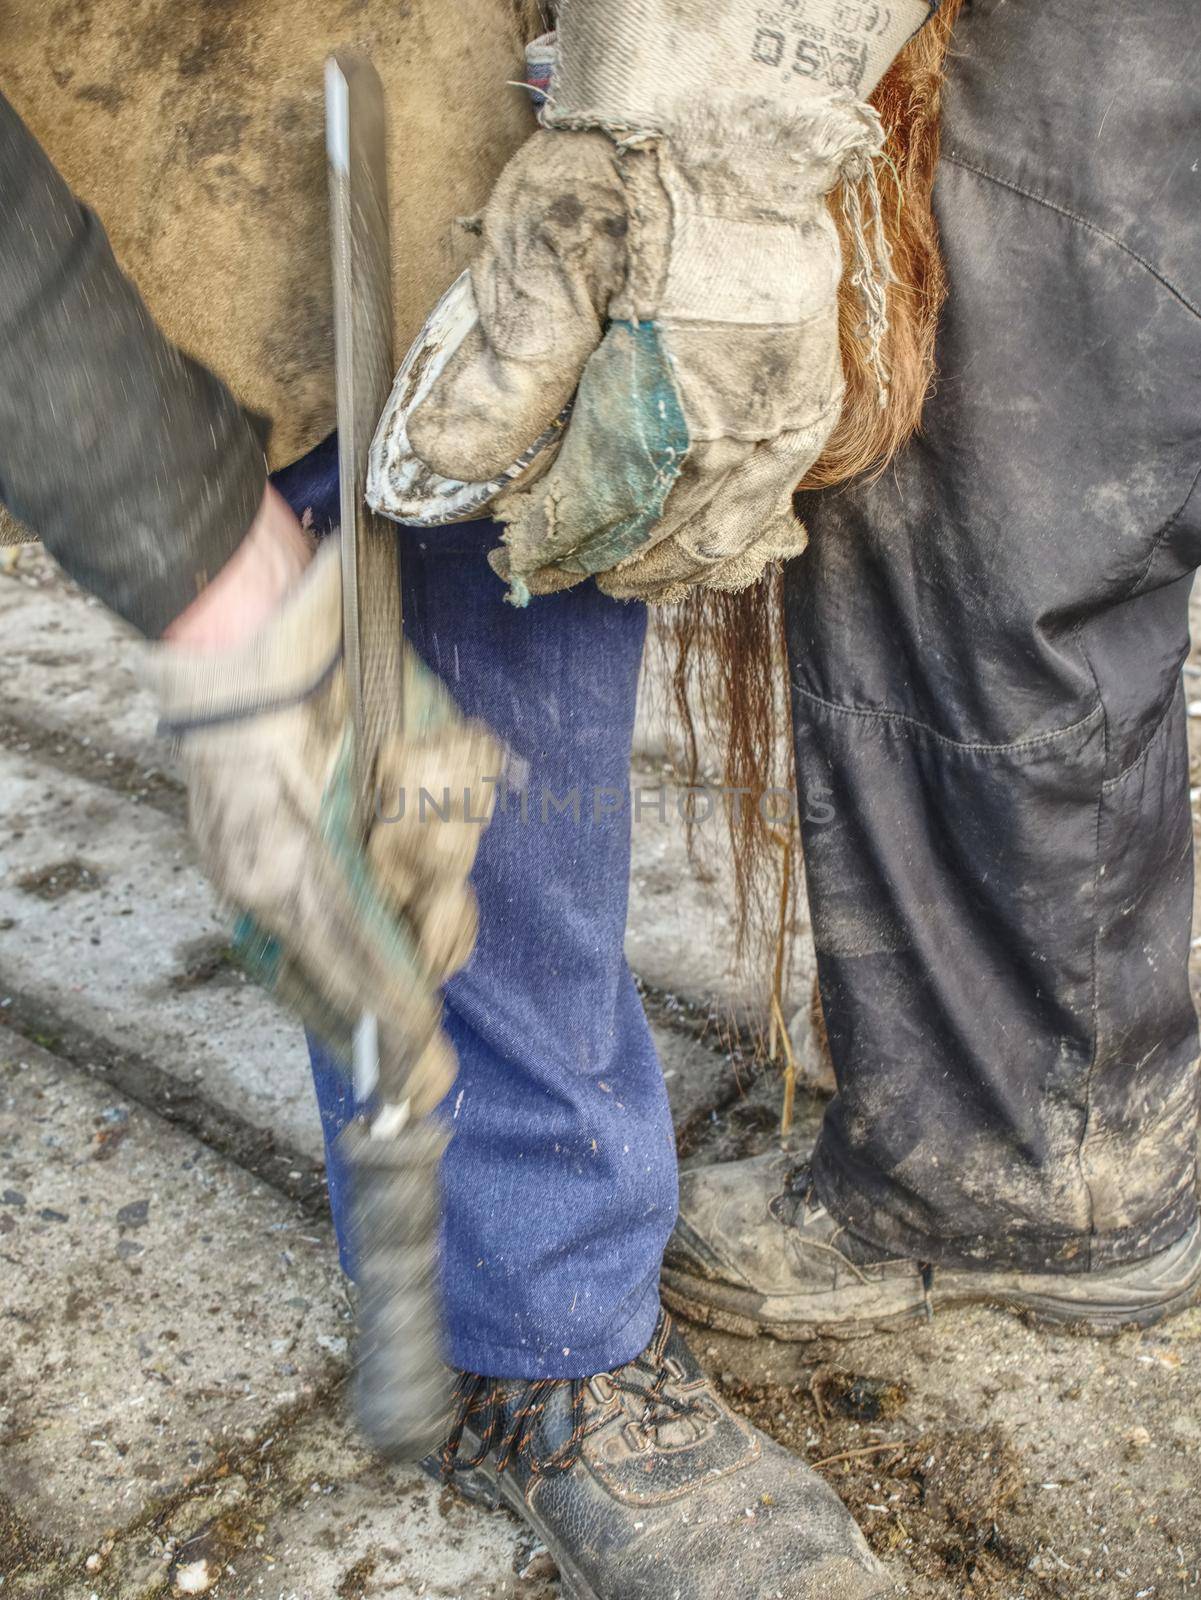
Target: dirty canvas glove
[[334, 928], [662, 249]]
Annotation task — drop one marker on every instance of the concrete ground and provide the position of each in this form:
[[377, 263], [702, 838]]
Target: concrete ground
[[173, 1330]]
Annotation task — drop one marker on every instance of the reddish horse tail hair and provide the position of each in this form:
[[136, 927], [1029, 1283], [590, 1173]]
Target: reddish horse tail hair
[[730, 675]]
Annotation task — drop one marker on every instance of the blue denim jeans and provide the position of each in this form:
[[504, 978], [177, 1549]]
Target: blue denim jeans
[[560, 1181]]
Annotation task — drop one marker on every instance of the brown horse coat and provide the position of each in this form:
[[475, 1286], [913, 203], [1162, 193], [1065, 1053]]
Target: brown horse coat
[[195, 129]]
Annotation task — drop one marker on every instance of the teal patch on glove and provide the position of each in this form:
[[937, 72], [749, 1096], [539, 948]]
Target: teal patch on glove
[[624, 450], [268, 964], [257, 950], [340, 827]]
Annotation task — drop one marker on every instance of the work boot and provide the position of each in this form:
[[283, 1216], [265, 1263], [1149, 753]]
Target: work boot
[[644, 1486], [755, 1251]]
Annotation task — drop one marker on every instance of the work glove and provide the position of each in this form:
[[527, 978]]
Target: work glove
[[662, 249], [337, 924]]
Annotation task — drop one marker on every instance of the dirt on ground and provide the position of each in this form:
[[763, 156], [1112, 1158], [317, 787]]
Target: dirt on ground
[[953, 1502], [60, 879], [983, 1457]]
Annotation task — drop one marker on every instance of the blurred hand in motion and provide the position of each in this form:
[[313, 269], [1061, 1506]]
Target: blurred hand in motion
[[251, 683]]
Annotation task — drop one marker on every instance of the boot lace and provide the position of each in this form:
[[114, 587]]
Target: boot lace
[[506, 1419], [798, 1203]]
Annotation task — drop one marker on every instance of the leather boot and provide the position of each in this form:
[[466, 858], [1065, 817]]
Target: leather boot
[[755, 1251], [643, 1485]]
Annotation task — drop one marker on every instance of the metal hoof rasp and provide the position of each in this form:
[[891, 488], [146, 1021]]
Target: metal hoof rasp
[[401, 1380]]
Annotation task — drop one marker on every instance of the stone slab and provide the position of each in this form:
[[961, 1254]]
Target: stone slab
[[108, 919], [348, 1524], [160, 1306]]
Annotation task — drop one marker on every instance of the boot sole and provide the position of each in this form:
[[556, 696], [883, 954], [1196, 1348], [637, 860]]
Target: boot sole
[[887, 1306], [742, 1312]]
